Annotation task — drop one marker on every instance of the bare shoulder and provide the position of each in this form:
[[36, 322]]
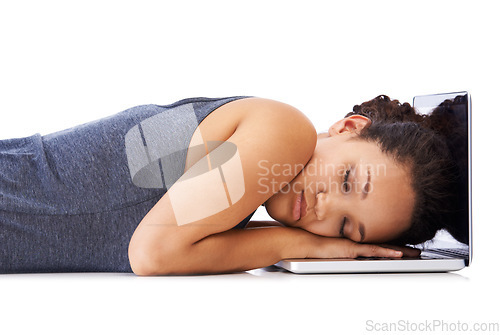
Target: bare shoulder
[[281, 126], [278, 131], [270, 110], [243, 111], [258, 116]]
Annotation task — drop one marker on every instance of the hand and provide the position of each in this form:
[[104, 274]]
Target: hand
[[336, 247]]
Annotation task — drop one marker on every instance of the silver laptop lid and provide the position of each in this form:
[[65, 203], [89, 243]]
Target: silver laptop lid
[[459, 105]]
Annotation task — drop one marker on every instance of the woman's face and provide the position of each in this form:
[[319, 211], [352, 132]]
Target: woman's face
[[349, 188]]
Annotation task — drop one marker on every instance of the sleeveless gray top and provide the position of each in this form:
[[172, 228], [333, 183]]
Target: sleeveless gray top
[[71, 200]]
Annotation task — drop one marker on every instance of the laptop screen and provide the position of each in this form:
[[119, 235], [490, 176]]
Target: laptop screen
[[455, 108]]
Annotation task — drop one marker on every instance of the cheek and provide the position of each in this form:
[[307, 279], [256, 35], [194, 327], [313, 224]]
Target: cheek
[[322, 228]]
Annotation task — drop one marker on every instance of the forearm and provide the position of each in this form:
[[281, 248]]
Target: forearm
[[236, 250]]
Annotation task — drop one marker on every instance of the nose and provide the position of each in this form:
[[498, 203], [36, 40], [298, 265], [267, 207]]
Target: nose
[[322, 205]]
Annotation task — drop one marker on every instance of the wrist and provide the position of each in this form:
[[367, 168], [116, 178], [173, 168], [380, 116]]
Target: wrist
[[297, 243]]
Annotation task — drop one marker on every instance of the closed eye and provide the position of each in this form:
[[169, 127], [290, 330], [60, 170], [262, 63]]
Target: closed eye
[[341, 232]]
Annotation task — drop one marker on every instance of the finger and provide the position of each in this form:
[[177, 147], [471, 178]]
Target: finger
[[371, 250], [407, 251]]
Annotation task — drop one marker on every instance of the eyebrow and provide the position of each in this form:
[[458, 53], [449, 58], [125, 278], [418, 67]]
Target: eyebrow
[[364, 193]]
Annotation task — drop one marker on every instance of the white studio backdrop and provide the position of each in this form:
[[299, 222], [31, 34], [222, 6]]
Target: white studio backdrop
[[64, 63]]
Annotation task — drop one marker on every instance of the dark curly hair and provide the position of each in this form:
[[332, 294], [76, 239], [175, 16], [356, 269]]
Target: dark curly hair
[[434, 148]]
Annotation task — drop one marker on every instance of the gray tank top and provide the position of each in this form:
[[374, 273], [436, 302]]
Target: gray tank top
[[71, 200]]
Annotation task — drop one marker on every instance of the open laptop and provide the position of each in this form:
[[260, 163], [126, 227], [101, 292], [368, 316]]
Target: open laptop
[[443, 252]]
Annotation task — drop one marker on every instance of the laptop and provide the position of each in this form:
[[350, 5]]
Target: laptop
[[440, 254]]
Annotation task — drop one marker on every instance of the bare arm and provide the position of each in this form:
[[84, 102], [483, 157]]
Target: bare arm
[[236, 250], [247, 249]]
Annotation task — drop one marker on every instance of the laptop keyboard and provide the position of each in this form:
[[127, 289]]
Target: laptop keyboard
[[449, 252]]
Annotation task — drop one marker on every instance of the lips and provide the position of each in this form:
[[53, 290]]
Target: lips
[[300, 206]]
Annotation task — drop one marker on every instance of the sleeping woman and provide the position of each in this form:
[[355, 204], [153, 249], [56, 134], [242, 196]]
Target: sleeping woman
[[170, 189]]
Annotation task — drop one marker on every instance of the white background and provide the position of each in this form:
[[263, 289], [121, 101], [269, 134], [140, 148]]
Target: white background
[[63, 63]]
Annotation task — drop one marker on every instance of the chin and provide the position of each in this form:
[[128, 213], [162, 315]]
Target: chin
[[275, 208], [277, 217]]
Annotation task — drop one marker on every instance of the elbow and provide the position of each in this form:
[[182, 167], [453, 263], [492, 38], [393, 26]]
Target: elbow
[[143, 258], [141, 262], [141, 255], [149, 261]]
